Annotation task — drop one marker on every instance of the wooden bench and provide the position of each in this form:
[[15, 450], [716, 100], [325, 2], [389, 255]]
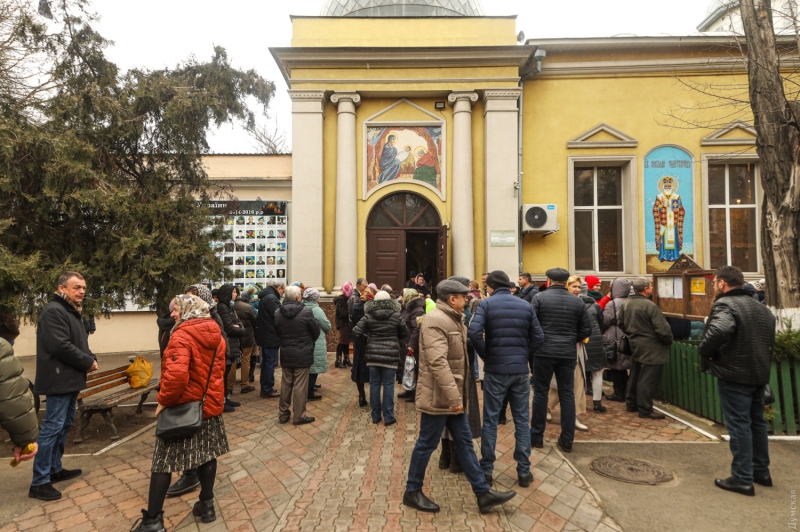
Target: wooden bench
[[107, 380]]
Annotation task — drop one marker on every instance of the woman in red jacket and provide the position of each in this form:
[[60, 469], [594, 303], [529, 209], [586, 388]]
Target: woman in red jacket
[[194, 357]]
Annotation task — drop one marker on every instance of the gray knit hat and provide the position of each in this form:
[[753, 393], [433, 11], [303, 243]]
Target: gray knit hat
[[449, 287]]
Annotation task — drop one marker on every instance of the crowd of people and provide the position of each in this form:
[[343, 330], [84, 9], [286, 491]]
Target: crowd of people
[[557, 339]]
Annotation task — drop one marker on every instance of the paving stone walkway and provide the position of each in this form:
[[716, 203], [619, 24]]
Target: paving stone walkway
[[340, 473]]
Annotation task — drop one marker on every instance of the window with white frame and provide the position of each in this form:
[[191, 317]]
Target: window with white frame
[[733, 224], [598, 219]]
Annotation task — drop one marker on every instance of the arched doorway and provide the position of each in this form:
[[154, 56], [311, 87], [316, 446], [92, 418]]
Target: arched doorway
[[405, 234]]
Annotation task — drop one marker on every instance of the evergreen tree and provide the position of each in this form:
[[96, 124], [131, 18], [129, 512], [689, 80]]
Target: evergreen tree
[[100, 170]]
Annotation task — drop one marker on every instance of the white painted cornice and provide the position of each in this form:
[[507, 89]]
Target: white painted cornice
[[715, 139], [624, 140]]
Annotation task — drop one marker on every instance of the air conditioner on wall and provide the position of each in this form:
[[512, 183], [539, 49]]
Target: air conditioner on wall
[[540, 218]]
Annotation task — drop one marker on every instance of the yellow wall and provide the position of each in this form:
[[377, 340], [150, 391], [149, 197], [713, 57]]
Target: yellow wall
[[398, 32], [558, 110]]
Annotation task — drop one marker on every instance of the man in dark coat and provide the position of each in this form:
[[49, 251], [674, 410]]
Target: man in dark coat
[[737, 347], [505, 333], [247, 315], [527, 289], [565, 322], [269, 300], [650, 338], [63, 359], [297, 331]]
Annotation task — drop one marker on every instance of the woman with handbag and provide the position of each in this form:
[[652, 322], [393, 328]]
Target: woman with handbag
[[613, 338], [190, 432]]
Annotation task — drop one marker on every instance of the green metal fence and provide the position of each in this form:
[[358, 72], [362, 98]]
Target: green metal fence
[[683, 384]]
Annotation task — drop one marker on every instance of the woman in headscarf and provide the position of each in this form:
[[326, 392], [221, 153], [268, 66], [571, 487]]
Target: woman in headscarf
[[320, 365], [193, 362], [343, 325], [413, 308], [360, 372], [612, 334]]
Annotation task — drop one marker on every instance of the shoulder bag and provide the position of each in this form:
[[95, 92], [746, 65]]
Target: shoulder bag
[[623, 343], [186, 420]]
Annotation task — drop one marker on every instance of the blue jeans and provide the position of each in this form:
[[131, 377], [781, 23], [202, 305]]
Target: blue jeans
[[430, 432], [496, 388], [57, 420], [564, 370], [743, 409], [269, 361], [378, 377]]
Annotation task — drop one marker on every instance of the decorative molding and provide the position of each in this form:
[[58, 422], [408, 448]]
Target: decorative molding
[[502, 94], [457, 96], [625, 140], [715, 139], [434, 117], [401, 81], [307, 94], [664, 67], [346, 96]]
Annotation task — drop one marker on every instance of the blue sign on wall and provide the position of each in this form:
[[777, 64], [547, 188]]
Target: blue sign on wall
[[668, 207]]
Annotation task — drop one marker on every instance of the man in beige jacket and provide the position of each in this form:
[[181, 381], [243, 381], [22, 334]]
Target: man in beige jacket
[[442, 399]]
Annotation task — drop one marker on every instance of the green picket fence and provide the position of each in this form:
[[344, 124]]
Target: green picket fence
[[683, 385]]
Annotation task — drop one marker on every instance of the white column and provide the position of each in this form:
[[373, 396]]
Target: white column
[[461, 230], [502, 210], [305, 243], [346, 237]]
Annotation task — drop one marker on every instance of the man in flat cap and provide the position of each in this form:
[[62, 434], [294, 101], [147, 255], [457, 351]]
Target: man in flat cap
[[442, 399], [505, 334], [565, 323]]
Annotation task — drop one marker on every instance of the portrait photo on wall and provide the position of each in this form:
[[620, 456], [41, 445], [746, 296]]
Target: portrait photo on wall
[[261, 247], [270, 260], [668, 201], [250, 248], [271, 234], [238, 273], [240, 220], [411, 153], [229, 247], [228, 261], [281, 234], [249, 261], [239, 261], [271, 220], [281, 261], [251, 233], [250, 274], [261, 235], [281, 246], [260, 261], [281, 220], [260, 220], [281, 274], [271, 247], [270, 274], [240, 248], [260, 274], [239, 234]]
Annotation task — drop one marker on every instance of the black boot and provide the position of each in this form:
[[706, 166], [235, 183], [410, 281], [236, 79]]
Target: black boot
[[205, 511], [403, 394], [455, 463], [490, 499], [347, 360], [412, 396], [418, 500], [149, 524], [189, 481], [444, 458], [598, 407]]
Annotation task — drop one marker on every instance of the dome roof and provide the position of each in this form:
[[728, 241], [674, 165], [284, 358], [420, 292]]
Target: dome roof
[[402, 8]]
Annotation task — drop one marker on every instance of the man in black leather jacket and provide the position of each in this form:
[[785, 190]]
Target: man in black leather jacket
[[737, 347]]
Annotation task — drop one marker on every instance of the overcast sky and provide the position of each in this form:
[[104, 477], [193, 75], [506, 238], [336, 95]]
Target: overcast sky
[[158, 33]]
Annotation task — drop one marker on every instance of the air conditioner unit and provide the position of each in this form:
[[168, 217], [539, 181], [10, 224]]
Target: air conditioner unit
[[540, 218]]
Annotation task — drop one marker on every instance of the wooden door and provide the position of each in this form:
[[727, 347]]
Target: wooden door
[[441, 258], [386, 257]]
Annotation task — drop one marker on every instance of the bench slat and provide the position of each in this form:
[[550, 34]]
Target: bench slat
[[95, 376], [103, 388], [116, 398], [104, 380]]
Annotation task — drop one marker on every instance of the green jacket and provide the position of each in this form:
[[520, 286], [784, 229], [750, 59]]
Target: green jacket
[[320, 364], [17, 415], [647, 329]]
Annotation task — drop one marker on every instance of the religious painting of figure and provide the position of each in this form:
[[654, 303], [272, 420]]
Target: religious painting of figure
[[669, 230], [412, 153]]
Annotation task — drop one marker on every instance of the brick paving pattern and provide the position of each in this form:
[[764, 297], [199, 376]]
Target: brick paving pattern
[[341, 473]]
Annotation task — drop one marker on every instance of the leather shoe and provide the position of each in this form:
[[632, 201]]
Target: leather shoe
[[205, 511], [418, 500], [362, 401], [283, 421], [537, 443], [564, 447], [403, 394], [228, 408], [652, 415], [389, 423], [315, 397], [763, 481], [185, 484], [525, 480], [234, 404], [248, 389], [729, 484], [270, 395], [44, 492], [631, 409], [490, 499], [65, 474], [615, 398], [305, 421]]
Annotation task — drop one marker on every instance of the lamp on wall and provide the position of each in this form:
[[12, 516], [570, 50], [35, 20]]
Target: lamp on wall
[[439, 106]]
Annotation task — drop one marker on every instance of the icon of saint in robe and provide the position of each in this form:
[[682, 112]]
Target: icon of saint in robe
[[426, 167], [668, 215], [390, 165]]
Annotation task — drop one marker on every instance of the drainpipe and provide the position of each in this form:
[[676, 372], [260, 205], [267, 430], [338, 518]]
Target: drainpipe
[[536, 59]]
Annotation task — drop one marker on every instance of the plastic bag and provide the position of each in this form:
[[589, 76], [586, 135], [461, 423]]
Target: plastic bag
[[409, 378], [139, 373]]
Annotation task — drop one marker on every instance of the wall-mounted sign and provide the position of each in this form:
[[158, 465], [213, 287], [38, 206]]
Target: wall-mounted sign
[[668, 201], [256, 249], [699, 286], [502, 239]]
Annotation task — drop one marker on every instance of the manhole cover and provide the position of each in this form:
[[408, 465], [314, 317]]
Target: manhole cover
[[631, 470]]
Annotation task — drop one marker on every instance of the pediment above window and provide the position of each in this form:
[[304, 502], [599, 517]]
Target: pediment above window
[[603, 136], [737, 133]]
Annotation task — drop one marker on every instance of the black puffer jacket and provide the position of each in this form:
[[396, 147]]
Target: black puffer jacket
[[383, 329], [165, 326], [413, 310], [297, 331], [62, 350], [564, 320], [232, 325], [739, 339], [595, 356], [269, 300], [342, 311], [247, 315]]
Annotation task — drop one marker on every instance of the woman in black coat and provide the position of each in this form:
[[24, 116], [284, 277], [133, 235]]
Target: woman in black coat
[[413, 308], [343, 326], [234, 329], [359, 373]]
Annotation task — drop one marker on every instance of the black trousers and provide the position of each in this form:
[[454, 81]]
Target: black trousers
[[620, 379], [642, 386]]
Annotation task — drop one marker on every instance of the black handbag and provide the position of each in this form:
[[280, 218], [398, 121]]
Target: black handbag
[[769, 395], [622, 343], [186, 420]]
